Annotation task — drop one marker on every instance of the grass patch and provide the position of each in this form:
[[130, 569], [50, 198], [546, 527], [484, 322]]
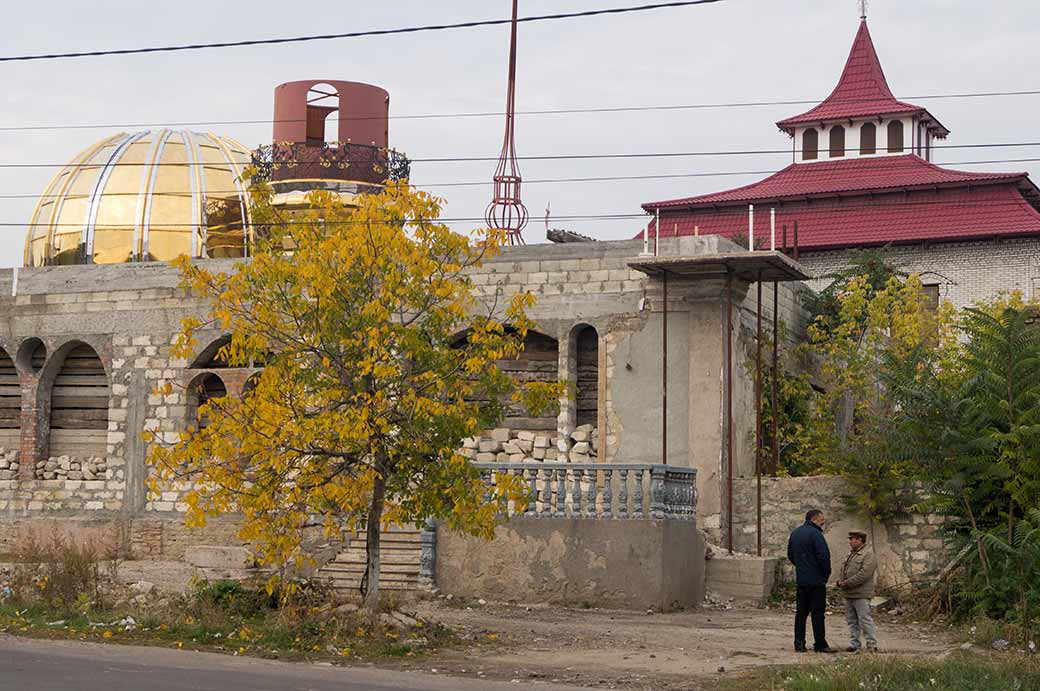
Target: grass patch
[[958, 672], [243, 625], [59, 588]]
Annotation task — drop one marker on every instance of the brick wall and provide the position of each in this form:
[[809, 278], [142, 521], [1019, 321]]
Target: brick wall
[[966, 272]]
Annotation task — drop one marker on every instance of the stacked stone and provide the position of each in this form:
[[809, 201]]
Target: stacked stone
[[69, 468], [504, 445], [8, 463], [580, 446]]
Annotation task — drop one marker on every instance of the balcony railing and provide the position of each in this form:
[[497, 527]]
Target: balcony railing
[[601, 490], [284, 161]]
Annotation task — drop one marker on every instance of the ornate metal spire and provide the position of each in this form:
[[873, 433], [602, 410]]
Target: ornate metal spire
[[506, 211], [863, 9]]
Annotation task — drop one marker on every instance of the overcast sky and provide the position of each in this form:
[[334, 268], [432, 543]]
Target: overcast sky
[[733, 51]]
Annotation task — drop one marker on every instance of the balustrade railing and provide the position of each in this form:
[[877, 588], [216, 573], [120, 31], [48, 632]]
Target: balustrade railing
[[600, 490]]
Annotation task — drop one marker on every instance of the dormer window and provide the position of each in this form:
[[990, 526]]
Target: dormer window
[[837, 149], [867, 139], [810, 144], [895, 137]]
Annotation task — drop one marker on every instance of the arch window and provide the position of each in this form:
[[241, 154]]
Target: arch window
[[79, 405], [201, 393], [868, 139], [810, 144], [837, 141], [10, 404], [895, 137]]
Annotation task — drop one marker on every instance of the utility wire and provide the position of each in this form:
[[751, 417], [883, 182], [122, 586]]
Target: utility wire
[[480, 114], [355, 34], [481, 183], [547, 157], [665, 212]]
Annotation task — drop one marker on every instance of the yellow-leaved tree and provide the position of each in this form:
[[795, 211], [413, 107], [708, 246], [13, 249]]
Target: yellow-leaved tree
[[377, 362]]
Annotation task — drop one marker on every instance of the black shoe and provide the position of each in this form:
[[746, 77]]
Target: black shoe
[[800, 649], [826, 649], [852, 649]]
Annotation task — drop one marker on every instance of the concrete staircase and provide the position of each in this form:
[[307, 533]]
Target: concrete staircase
[[399, 562]]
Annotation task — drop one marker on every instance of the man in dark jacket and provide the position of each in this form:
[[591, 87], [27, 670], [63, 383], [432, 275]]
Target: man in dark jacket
[[807, 550]]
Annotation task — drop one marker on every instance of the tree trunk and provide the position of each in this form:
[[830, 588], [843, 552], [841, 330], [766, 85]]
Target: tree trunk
[[370, 583]]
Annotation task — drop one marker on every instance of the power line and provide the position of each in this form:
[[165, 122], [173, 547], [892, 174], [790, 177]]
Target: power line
[[550, 111], [547, 157], [480, 183], [888, 208], [356, 34]]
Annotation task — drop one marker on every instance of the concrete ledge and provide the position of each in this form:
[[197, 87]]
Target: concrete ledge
[[628, 564], [749, 579]]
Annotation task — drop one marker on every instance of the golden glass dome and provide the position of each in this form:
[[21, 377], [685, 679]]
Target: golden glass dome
[[148, 196]]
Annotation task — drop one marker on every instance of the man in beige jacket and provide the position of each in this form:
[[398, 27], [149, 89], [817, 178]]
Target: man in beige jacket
[[857, 584]]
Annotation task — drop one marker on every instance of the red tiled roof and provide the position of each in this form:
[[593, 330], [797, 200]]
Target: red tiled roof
[[861, 91], [940, 215], [863, 175]]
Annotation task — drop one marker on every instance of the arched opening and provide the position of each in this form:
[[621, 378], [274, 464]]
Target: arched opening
[[211, 356], [32, 354], [868, 139], [895, 137], [10, 411], [837, 141], [810, 144], [201, 392], [587, 379], [251, 383], [79, 406], [538, 362], [322, 104]]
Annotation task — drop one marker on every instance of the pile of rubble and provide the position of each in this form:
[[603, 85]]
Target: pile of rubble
[[69, 468], [504, 445], [8, 463]]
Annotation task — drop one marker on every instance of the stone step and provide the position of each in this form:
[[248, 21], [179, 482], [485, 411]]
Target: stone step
[[399, 561], [384, 569], [359, 557]]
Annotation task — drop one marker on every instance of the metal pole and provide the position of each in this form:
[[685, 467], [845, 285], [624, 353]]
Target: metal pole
[[758, 414], [773, 380], [772, 230], [751, 228], [729, 409], [657, 233], [664, 371]]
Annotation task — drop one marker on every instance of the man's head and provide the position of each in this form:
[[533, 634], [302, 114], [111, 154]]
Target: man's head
[[857, 538], [815, 516]]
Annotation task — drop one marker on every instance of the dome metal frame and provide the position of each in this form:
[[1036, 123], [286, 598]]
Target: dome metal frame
[[150, 196]]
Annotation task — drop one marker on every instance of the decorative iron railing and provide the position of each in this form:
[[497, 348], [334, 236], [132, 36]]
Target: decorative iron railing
[[601, 490], [336, 161]]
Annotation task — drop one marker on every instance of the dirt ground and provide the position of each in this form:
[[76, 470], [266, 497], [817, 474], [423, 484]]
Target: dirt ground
[[627, 650]]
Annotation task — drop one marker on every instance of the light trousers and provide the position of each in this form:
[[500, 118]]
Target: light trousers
[[857, 613]]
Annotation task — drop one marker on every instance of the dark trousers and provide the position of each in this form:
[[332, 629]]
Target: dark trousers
[[812, 600]]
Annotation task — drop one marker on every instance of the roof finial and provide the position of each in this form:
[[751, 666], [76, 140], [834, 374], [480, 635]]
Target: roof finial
[[863, 9]]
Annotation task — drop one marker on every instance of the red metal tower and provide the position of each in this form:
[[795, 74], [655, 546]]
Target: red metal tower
[[506, 211]]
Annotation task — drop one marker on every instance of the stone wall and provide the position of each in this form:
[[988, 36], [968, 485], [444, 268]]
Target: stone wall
[[966, 272], [907, 548], [129, 315], [577, 562]]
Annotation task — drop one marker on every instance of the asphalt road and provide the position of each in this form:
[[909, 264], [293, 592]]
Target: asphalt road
[[41, 665]]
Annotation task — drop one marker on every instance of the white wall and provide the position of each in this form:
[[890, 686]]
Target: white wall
[[966, 272]]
